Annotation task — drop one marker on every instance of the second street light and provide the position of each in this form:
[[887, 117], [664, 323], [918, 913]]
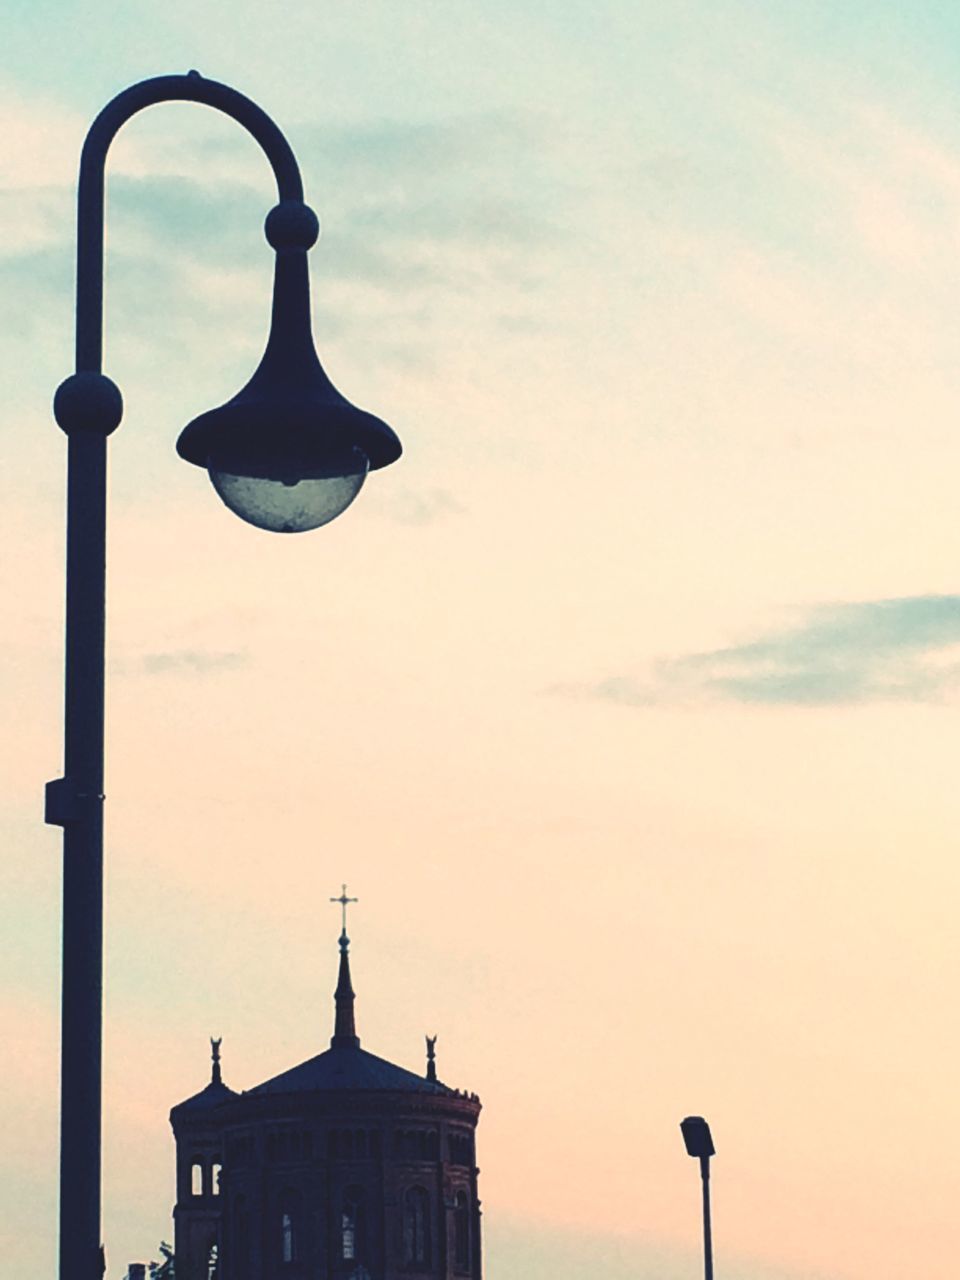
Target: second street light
[[699, 1143], [287, 453]]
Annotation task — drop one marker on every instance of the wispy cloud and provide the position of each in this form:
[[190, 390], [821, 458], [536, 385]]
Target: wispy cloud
[[902, 649], [193, 661], [413, 214]]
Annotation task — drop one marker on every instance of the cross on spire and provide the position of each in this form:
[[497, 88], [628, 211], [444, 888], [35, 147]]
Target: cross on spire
[[344, 903], [344, 1028]]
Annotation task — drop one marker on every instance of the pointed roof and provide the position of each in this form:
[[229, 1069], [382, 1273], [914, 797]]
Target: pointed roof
[[349, 1067], [345, 1065], [215, 1092]]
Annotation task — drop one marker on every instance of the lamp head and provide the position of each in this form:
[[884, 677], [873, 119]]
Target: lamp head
[[288, 459], [289, 452], [696, 1136]]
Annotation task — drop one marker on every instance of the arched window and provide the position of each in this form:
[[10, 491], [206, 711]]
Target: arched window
[[352, 1225], [461, 1230], [215, 1171], [416, 1227], [196, 1178]]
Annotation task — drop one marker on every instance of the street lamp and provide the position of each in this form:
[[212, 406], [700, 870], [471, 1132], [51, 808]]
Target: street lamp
[[287, 453], [699, 1143]]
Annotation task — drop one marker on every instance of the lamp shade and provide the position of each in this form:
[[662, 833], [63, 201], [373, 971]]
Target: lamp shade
[[697, 1137], [289, 452]]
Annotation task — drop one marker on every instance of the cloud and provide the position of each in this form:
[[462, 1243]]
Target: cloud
[[419, 219], [405, 181], [193, 661], [905, 649], [400, 201]]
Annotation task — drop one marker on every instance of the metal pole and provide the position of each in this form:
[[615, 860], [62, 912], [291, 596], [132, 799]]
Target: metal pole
[[82, 817], [88, 408], [707, 1233]]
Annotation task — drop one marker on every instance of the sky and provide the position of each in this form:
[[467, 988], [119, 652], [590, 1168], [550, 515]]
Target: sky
[[627, 702]]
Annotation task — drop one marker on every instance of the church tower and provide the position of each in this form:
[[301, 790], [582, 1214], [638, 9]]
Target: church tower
[[346, 1167]]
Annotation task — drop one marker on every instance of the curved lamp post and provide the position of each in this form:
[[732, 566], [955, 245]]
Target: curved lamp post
[[699, 1144], [287, 453]]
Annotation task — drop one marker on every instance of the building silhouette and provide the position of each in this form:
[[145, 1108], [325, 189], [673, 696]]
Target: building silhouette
[[345, 1167]]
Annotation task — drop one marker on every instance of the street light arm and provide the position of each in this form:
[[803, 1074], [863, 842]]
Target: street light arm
[[188, 88]]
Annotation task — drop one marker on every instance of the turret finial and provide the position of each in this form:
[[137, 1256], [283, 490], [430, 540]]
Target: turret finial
[[215, 1076], [431, 1057]]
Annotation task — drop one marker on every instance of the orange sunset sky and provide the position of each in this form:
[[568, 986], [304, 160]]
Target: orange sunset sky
[[627, 702]]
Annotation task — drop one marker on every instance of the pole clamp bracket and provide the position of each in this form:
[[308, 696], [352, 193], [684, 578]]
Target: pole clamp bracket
[[64, 802]]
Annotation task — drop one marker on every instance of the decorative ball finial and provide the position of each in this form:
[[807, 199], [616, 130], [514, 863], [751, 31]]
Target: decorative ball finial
[[88, 402], [291, 224]]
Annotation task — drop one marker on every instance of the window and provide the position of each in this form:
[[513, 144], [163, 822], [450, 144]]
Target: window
[[212, 1269], [196, 1178], [289, 1226], [461, 1230], [287, 1252], [352, 1225], [215, 1171], [416, 1227]]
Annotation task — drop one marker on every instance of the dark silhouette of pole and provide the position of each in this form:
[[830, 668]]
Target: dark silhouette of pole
[[88, 407], [699, 1143], [707, 1231]]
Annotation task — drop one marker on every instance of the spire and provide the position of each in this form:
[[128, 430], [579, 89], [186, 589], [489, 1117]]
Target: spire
[[344, 1028], [215, 1076]]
